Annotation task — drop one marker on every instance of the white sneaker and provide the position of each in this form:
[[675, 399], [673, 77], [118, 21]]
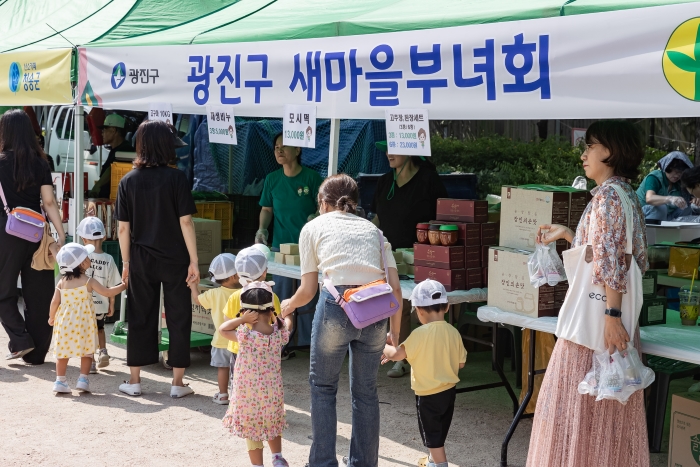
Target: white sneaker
[[60, 387], [399, 369], [221, 399], [177, 392], [130, 389], [93, 368], [83, 384], [103, 359]]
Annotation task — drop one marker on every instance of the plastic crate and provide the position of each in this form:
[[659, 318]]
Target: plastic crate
[[112, 248], [119, 169], [218, 211]]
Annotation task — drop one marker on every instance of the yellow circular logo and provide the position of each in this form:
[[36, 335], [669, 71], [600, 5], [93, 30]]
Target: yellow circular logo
[[681, 62]]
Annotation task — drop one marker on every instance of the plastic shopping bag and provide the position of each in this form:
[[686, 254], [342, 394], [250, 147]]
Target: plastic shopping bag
[[545, 267]]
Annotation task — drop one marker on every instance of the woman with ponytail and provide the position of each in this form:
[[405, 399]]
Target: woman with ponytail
[[346, 249]]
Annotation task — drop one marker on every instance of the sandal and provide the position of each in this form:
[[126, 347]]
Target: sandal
[[19, 354]]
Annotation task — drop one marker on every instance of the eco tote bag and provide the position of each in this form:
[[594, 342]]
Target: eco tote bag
[[582, 316]]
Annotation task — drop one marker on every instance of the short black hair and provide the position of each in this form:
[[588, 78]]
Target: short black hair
[[676, 164], [690, 178], [436, 308], [280, 135], [257, 297], [74, 274], [218, 281], [624, 141]]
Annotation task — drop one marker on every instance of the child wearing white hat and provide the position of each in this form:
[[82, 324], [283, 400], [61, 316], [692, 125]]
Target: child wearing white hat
[[104, 270], [222, 271], [436, 353], [72, 314]]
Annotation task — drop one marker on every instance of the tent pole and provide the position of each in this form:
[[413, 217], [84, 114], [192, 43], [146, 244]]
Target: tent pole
[[79, 189], [333, 149]]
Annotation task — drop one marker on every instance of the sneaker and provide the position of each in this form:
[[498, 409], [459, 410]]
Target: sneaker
[[221, 399], [177, 392], [83, 384], [103, 359], [287, 355], [423, 461], [130, 389], [399, 369], [60, 387], [279, 461], [19, 354], [93, 368]]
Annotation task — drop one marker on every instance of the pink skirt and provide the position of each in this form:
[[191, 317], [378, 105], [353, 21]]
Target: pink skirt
[[573, 430]]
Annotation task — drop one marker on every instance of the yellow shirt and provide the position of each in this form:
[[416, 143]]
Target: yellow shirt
[[435, 351], [233, 307], [215, 300]]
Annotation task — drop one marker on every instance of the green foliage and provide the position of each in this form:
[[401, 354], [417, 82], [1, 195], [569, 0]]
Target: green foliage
[[499, 161]]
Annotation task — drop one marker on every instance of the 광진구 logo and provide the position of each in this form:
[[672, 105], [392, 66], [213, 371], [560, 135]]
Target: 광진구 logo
[[15, 76], [681, 60], [118, 75]]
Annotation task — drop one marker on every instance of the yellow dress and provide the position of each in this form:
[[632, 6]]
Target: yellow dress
[[75, 328]]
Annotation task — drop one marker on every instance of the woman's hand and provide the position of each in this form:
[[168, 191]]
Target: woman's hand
[[550, 233], [286, 309], [678, 202], [192, 274], [250, 317], [695, 202], [125, 273], [615, 334]]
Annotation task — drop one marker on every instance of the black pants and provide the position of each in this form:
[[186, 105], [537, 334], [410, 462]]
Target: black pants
[[435, 417], [37, 289], [146, 274]]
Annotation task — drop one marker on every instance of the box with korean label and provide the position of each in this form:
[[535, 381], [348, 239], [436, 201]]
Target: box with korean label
[[684, 439], [462, 210], [442, 257], [452, 279]]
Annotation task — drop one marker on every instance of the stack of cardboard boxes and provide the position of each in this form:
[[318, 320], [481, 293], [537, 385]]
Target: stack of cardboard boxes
[[523, 210], [288, 254], [461, 266]]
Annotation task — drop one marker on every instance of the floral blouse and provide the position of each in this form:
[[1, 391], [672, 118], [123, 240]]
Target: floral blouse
[[610, 238]]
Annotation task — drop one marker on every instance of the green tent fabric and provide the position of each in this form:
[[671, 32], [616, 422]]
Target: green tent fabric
[[264, 20]]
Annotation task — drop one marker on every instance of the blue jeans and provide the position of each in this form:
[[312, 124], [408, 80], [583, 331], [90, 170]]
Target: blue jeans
[[332, 336]]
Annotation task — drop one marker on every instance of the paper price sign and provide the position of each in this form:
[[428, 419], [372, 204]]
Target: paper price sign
[[222, 125], [408, 132], [161, 111], [299, 127]]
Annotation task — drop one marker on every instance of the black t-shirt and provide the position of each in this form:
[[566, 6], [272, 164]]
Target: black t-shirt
[[111, 157], [412, 203], [30, 197], [152, 200]]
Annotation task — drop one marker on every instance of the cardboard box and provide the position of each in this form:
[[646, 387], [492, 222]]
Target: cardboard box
[[485, 255], [649, 283], [684, 440], [292, 260], [653, 311], [472, 257], [442, 257], [452, 279], [475, 279], [208, 235], [683, 262], [578, 200], [289, 248], [201, 317], [523, 211], [398, 257], [410, 269], [462, 210], [402, 269], [510, 288], [279, 258], [485, 277], [489, 233]]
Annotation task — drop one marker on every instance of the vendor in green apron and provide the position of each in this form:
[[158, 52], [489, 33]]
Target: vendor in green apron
[[290, 199], [661, 195]]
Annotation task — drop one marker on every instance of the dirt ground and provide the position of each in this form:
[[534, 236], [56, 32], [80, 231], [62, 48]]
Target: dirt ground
[[110, 428]]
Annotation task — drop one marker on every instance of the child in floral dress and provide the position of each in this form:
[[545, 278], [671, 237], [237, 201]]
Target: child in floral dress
[[256, 410], [72, 314]]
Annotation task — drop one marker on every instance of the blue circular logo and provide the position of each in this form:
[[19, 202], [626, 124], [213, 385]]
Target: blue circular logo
[[15, 76], [118, 75]]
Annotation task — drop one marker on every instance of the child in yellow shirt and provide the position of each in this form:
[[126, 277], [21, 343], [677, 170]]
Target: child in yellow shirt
[[222, 271], [436, 353]]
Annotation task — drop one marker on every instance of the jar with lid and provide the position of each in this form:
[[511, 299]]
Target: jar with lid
[[434, 234], [422, 232], [449, 234]]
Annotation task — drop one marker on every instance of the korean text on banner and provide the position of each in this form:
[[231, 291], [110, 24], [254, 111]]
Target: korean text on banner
[[299, 127], [41, 77], [408, 132], [222, 124], [161, 111]]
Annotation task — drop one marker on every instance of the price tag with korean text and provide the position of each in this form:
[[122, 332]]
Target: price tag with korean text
[[299, 126], [161, 111], [222, 125]]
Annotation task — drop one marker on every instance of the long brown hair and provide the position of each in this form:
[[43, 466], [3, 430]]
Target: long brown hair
[[339, 191], [17, 135], [155, 144]]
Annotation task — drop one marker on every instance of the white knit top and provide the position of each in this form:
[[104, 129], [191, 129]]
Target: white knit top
[[345, 247]]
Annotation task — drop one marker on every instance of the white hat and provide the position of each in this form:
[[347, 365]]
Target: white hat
[[223, 266], [91, 228], [428, 292], [71, 255], [250, 264], [262, 247]]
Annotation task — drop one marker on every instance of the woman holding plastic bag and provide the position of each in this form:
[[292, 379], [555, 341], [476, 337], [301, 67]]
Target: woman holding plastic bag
[[572, 429]]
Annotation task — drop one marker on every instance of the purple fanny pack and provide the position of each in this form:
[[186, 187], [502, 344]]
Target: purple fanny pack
[[23, 223], [369, 304]]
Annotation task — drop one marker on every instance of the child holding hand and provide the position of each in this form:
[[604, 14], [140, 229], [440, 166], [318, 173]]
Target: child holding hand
[[256, 410], [72, 314], [436, 353]]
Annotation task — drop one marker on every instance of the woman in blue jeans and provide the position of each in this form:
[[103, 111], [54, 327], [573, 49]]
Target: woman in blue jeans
[[346, 249]]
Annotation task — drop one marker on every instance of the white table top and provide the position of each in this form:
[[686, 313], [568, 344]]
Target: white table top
[[407, 286], [670, 340]]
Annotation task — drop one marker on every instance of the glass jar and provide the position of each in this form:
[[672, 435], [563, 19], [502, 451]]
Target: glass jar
[[434, 234], [449, 234], [422, 232]]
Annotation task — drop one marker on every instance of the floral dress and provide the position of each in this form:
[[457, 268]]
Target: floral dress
[[571, 429], [256, 410], [75, 328]]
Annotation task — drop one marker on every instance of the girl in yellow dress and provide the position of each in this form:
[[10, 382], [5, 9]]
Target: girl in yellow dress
[[72, 314]]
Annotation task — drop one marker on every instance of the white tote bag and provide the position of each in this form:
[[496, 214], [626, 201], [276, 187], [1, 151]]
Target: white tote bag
[[582, 316]]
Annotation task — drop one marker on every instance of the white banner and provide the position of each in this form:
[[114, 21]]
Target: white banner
[[222, 124], [629, 63], [299, 126], [408, 132]]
